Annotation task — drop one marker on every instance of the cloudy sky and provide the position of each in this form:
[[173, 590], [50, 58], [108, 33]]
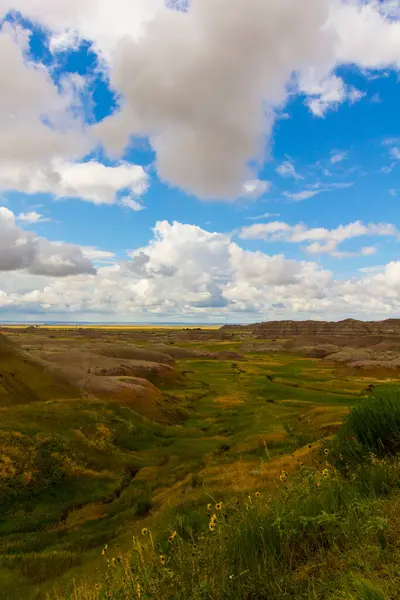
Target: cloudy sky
[[199, 161]]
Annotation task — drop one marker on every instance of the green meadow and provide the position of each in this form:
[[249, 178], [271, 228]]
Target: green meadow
[[78, 473]]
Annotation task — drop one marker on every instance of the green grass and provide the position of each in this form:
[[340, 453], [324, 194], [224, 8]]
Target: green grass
[[372, 429], [322, 535], [295, 546], [77, 473]]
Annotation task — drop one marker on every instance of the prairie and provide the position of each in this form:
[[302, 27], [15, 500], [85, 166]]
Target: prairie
[[104, 432]]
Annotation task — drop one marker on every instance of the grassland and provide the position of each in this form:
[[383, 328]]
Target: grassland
[[113, 327], [78, 470]]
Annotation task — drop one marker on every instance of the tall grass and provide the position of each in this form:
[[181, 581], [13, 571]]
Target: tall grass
[[257, 547], [372, 429]]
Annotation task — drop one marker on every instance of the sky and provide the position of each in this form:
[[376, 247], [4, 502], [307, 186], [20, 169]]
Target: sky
[[203, 161]]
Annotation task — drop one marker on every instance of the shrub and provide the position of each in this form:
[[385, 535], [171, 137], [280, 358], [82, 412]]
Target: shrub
[[372, 429], [143, 505]]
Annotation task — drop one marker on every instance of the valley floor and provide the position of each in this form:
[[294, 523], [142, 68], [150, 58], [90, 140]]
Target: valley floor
[[100, 438]]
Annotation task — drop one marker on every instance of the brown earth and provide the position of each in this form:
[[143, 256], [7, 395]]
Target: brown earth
[[36, 367], [349, 328], [357, 344], [153, 352]]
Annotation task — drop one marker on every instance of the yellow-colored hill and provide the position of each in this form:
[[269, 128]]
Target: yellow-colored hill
[[23, 381]]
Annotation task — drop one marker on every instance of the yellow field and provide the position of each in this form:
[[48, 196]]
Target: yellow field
[[114, 327]]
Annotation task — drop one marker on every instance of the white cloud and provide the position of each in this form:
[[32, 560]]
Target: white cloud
[[90, 181], [207, 119], [356, 23], [374, 269], [255, 188], [395, 153], [330, 187], [368, 250], [42, 130], [365, 251], [317, 188], [376, 98], [263, 216], [31, 218], [36, 124], [324, 241], [324, 170], [131, 204], [338, 157], [64, 41], [23, 250], [355, 95], [391, 141], [287, 169], [198, 275], [325, 94], [97, 255], [204, 85], [388, 168], [304, 195], [184, 269]]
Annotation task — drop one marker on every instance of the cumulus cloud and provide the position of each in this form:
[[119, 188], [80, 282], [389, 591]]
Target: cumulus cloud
[[324, 94], [204, 82], [183, 270], [197, 274], [91, 181], [356, 23], [181, 125], [35, 121], [43, 136], [23, 250], [324, 241]]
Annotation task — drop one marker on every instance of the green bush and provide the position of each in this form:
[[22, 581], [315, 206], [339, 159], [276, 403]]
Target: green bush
[[372, 429], [143, 505]]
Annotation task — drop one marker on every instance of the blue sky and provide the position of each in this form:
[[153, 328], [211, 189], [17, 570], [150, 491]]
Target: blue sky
[[307, 228]]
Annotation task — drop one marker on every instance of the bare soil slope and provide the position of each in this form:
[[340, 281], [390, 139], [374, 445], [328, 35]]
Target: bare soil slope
[[357, 344]]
